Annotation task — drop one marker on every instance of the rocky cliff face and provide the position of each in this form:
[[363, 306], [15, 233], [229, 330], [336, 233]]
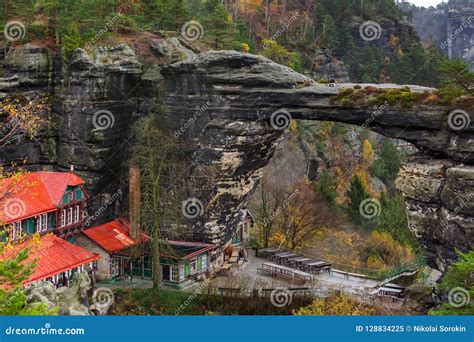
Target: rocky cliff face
[[246, 98], [439, 195], [449, 27], [230, 110]]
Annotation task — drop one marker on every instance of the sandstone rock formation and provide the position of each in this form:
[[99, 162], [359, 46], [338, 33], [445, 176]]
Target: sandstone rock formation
[[230, 110], [70, 301], [239, 130]]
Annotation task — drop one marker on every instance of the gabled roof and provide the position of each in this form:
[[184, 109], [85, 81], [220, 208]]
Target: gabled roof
[[53, 256], [247, 213], [33, 193], [183, 249], [114, 236], [57, 182]]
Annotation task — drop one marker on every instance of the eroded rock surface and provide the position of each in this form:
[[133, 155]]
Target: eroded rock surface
[[237, 135], [229, 109]]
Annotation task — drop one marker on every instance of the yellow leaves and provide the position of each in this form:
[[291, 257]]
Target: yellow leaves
[[320, 234], [390, 253], [374, 262], [367, 154], [348, 241], [364, 177], [336, 245], [249, 6], [340, 304], [276, 239], [23, 119], [245, 47], [394, 40], [293, 126]]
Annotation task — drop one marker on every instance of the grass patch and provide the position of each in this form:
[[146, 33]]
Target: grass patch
[[403, 97]]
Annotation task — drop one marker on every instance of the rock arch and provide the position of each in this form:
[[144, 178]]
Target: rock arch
[[222, 104]]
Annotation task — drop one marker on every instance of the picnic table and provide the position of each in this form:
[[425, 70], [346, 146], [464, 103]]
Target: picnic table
[[276, 270], [280, 256], [298, 261], [267, 251], [317, 266]]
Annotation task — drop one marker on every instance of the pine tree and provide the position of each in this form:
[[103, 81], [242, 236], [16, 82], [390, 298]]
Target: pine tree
[[357, 193], [14, 271], [217, 24], [327, 188], [72, 41], [388, 163]]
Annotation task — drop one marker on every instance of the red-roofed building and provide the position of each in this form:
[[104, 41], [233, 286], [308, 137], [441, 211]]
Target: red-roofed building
[[181, 262], [57, 259], [40, 202], [114, 236], [121, 254]]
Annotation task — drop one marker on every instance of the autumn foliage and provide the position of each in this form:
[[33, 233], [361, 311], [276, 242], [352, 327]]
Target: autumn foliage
[[340, 304]]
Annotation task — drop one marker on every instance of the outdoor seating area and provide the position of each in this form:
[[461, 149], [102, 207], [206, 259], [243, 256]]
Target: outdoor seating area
[[234, 258], [294, 261], [279, 271]]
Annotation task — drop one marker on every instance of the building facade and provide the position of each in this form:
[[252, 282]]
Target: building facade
[[42, 202]]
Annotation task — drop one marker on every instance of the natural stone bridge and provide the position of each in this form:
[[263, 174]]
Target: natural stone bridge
[[221, 105], [239, 104]]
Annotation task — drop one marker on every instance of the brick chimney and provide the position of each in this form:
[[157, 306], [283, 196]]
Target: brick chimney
[[134, 201]]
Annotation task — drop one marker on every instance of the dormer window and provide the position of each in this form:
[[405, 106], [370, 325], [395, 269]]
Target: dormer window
[[63, 218], [42, 223], [70, 196], [16, 231], [69, 216], [76, 214]]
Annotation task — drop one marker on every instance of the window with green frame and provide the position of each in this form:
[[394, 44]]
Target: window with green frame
[[236, 237]]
